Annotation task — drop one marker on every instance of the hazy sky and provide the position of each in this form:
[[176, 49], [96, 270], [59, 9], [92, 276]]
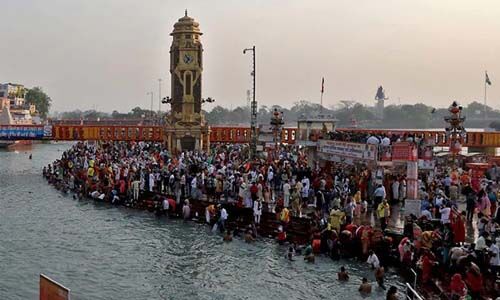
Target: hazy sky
[[110, 53]]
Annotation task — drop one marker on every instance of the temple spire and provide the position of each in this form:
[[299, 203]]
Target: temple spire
[[186, 13]]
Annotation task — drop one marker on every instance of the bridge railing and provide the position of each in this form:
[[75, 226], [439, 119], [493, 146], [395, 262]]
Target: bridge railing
[[107, 133], [71, 130], [242, 135]]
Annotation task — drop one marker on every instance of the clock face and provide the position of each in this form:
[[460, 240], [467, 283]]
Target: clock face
[[188, 58]]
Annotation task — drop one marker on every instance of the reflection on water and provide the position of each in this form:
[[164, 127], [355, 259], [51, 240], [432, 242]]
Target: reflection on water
[[105, 252]]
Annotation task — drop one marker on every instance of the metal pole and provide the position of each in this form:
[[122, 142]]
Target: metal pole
[[254, 111], [485, 87], [159, 94], [321, 109], [253, 116], [151, 111]]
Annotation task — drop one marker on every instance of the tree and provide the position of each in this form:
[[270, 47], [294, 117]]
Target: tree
[[40, 99], [495, 125]]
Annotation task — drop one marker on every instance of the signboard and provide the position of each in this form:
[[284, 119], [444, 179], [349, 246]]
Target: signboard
[[21, 132], [412, 207], [426, 153], [52, 290], [412, 189], [426, 164], [348, 150], [47, 131], [412, 170], [404, 151]]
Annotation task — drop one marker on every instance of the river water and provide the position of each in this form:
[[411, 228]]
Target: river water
[[105, 252]]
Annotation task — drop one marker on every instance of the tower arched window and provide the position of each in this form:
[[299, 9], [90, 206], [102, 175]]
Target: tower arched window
[[188, 78]]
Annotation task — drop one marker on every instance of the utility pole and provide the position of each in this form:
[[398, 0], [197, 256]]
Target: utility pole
[[253, 108], [249, 99], [151, 112], [159, 100]]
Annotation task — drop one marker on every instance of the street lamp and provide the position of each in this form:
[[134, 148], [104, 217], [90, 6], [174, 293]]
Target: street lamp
[[159, 96], [207, 100], [253, 116], [151, 112], [277, 123], [166, 100]]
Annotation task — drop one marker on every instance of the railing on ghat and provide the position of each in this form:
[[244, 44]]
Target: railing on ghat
[[439, 138], [136, 132], [242, 135], [412, 294], [107, 133]]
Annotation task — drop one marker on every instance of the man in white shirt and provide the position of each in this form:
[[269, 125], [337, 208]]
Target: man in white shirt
[[379, 194], [495, 256], [445, 214], [373, 140], [305, 187], [223, 218], [270, 175], [373, 260], [395, 190], [286, 194], [426, 213], [480, 243], [165, 205], [386, 142], [151, 181], [194, 186]]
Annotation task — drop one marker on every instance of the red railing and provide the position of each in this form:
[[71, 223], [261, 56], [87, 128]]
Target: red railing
[[218, 134], [107, 133]]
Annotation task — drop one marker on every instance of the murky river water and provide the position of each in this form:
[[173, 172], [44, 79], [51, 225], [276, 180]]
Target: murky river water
[[105, 252]]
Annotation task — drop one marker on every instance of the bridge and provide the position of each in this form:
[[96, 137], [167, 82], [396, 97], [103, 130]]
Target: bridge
[[133, 130]]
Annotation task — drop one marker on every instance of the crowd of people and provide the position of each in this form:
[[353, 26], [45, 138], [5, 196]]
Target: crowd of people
[[335, 200]]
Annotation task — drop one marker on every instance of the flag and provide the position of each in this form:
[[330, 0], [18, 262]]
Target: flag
[[323, 84], [488, 81]]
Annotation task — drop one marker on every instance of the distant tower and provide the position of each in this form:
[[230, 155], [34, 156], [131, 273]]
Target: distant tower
[[188, 130], [379, 106]]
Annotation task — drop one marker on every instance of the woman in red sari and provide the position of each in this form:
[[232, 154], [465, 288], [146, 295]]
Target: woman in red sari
[[458, 226], [426, 268], [457, 286]]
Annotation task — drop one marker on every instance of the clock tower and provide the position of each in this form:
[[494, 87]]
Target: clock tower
[[186, 129]]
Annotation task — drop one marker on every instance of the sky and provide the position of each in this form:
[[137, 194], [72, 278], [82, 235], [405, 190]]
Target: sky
[[108, 54]]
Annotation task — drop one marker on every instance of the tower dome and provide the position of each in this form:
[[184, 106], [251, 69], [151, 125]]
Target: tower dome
[[186, 25]]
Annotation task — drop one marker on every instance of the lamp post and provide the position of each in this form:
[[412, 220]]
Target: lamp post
[[159, 97], [151, 112], [276, 125], [207, 100], [253, 117], [455, 132]]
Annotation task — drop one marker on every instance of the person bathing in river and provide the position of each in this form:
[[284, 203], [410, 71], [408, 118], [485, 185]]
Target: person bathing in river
[[373, 260], [308, 254], [186, 210], [222, 218], [165, 206], [343, 275], [257, 210], [379, 276], [210, 213], [249, 237], [227, 236], [392, 294], [365, 288], [290, 253]]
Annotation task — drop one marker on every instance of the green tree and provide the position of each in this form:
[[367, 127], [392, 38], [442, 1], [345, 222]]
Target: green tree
[[40, 99]]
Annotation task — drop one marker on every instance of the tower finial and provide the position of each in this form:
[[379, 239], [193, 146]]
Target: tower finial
[[186, 13]]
